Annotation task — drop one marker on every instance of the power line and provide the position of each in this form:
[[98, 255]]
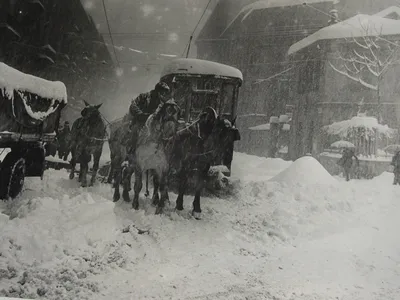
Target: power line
[[109, 30], [195, 28]]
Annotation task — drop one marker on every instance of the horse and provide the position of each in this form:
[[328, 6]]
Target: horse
[[152, 153], [118, 148], [87, 138], [63, 138], [196, 149]]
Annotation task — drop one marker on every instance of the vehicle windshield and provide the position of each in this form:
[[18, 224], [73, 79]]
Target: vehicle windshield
[[202, 93]]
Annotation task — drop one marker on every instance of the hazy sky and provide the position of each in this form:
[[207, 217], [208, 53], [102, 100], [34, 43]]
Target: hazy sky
[[145, 33]]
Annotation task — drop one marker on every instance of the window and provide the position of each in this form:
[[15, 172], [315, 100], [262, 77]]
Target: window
[[227, 95], [182, 90]]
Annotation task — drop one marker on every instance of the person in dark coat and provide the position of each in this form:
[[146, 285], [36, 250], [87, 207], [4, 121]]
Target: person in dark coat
[[346, 162], [142, 107], [63, 141], [396, 168]]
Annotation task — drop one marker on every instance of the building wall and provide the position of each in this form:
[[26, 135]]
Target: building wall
[[258, 47], [78, 56], [336, 98]]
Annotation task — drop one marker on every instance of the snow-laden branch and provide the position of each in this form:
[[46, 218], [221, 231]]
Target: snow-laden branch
[[354, 78]]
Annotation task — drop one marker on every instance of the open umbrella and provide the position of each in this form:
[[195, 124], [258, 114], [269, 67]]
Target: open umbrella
[[392, 148], [342, 144]]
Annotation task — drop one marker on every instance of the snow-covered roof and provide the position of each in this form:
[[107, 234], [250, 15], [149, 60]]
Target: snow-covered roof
[[370, 124], [264, 4], [13, 80], [388, 11], [358, 26], [202, 67]]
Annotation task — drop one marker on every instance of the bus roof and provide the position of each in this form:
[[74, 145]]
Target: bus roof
[[200, 67]]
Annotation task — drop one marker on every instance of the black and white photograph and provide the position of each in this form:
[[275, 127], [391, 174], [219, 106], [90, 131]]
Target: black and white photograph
[[200, 149]]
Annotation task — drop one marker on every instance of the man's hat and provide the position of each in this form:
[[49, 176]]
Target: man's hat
[[162, 86]]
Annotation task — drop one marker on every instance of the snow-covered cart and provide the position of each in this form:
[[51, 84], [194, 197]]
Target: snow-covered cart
[[30, 109]]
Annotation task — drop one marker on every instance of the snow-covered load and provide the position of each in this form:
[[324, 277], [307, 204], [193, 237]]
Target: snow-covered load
[[29, 104]]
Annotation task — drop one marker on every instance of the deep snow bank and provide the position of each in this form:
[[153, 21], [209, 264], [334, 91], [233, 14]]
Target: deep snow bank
[[55, 237], [254, 168], [67, 242], [305, 171]]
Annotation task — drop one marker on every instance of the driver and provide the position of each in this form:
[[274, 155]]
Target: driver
[[143, 106]]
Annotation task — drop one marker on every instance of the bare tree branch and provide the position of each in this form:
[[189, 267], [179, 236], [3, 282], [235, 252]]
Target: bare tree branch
[[357, 79]]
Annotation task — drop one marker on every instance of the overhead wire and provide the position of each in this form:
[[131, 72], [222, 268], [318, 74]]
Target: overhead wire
[[194, 30], [109, 30]]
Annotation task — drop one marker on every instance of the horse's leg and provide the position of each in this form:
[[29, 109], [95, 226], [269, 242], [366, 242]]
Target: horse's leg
[[117, 181], [183, 179], [199, 184], [147, 193], [96, 162], [117, 175], [83, 172], [126, 181], [156, 185], [111, 174], [163, 191], [73, 164], [137, 187]]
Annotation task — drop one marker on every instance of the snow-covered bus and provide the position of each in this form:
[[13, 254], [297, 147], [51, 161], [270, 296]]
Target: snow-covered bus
[[198, 83]]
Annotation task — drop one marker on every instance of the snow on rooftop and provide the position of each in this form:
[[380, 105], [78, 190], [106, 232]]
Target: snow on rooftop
[[264, 4], [370, 124], [358, 26], [388, 11], [202, 67], [13, 80]]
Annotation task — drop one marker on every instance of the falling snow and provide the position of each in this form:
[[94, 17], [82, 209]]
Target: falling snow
[[147, 9]]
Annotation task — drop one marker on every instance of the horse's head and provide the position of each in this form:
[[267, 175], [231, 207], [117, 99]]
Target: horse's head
[[207, 119], [169, 111], [163, 123], [90, 111]]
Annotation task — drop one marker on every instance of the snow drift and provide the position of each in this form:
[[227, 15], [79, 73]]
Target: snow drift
[[60, 241], [305, 171]]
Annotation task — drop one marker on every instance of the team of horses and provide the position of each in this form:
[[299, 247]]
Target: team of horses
[[165, 148]]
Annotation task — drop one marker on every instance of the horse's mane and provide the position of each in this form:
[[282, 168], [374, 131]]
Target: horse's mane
[[93, 127]]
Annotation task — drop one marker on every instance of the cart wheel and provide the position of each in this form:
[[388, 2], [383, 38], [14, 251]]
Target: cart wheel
[[12, 176]]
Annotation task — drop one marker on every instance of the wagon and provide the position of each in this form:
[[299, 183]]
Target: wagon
[[30, 110], [197, 83]]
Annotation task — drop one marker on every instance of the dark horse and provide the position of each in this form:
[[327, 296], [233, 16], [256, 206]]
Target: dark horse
[[87, 139], [196, 148], [152, 153], [118, 148]]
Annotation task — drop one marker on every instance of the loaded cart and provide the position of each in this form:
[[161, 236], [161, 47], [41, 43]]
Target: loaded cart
[[30, 110]]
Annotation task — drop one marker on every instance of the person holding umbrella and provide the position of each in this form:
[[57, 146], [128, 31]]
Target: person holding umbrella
[[346, 161]]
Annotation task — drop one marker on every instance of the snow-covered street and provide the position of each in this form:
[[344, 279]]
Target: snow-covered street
[[300, 235]]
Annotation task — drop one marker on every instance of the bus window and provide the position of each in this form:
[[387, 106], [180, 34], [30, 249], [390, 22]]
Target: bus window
[[227, 95], [181, 91], [205, 93]]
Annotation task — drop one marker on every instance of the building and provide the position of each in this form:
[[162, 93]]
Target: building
[[254, 36], [344, 69], [58, 40]]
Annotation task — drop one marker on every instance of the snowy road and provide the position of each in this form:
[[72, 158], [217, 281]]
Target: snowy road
[[320, 238]]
